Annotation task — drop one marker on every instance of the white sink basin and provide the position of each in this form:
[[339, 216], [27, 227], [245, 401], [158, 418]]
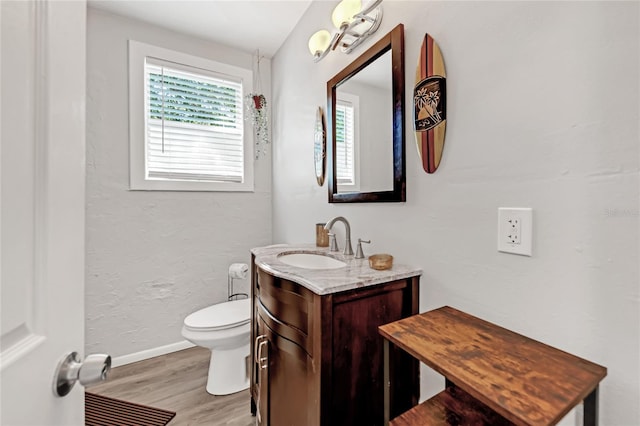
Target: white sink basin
[[311, 261]]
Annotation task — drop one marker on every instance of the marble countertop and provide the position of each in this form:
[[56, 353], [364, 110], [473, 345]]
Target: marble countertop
[[356, 274]]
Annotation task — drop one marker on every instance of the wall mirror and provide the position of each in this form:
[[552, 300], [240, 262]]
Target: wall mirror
[[365, 110], [319, 146]]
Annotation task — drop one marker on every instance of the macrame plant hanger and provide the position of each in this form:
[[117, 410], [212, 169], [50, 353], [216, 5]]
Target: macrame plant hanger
[[257, 111]]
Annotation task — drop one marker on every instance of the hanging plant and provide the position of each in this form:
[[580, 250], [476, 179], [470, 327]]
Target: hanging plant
[[257, 111], [256, 105]]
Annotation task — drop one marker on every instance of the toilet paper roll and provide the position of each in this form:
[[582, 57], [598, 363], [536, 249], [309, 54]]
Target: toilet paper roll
[[238, 270]]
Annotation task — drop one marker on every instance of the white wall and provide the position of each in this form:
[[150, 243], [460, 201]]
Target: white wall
[[542, 113], [154, 257]]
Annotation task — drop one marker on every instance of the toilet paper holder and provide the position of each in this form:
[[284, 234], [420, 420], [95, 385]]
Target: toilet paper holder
[[236, 270]]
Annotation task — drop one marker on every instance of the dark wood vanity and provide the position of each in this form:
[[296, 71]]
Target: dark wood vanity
[[318, 359]]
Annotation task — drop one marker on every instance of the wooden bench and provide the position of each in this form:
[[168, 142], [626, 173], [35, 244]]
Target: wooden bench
[[493, 376]]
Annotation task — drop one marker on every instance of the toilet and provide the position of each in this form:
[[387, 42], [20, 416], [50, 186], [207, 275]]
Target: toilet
[[224, 329]]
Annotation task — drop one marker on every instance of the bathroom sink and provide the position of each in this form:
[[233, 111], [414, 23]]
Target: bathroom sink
[[310, 261]]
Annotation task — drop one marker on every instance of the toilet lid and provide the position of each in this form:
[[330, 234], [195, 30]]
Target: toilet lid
[[220, 316]]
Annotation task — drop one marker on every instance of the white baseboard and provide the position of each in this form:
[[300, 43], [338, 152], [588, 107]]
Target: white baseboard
[[150, 353]]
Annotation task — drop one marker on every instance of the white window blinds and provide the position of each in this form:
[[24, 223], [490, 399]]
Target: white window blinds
[[345, 143], [193, 124]]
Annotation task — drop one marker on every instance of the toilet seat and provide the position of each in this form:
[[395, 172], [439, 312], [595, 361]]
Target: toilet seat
[[220, 316]]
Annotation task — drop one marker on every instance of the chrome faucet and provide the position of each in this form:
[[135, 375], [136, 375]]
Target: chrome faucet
[[348, 250]]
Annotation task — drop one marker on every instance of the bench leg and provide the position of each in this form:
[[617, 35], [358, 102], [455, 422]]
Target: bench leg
[[590, 407], [387, 383]]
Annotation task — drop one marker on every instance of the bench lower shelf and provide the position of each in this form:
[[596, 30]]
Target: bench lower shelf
[[452, 406]]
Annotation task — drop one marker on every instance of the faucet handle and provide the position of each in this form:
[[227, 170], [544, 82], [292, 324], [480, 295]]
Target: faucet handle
[[359, 252], [333, 244]]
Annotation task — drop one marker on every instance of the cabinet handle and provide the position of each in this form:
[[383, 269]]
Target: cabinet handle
[[257, 353], [263, 359]]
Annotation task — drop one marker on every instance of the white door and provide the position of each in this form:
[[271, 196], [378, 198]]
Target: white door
[[42, 116]]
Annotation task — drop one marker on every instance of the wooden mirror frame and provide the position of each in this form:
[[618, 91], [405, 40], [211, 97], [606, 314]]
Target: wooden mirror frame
[[320, 147], [394, 42]]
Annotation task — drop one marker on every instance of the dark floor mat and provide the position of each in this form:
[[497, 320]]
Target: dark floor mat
[[104, 411]]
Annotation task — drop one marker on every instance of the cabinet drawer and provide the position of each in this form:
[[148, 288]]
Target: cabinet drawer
[[287, 308]]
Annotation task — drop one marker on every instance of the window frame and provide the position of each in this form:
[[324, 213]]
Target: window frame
[[138, 181], [354, 102]]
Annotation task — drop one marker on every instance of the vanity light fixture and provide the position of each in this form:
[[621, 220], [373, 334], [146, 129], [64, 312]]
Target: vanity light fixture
[[354, 24]]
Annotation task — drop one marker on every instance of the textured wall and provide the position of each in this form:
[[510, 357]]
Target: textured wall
[[543, 113], [154, 257]]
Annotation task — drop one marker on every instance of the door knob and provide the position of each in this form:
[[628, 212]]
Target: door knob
[[71, 369]]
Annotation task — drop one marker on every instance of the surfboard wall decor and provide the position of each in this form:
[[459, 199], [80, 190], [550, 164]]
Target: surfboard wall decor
[[430, 104]]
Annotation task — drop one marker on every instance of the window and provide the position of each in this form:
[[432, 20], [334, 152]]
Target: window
[[346, 141], [187, 130]]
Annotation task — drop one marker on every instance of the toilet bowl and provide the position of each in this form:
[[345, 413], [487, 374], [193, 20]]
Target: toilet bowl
[[224, 329]]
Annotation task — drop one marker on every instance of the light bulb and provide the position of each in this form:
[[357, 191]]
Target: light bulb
[[344, 11], [319, 42]]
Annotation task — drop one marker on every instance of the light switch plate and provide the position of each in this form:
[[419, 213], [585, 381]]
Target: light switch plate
[[515, 230]]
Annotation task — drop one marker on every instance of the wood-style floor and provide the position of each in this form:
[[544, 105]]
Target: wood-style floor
[[177, 382]]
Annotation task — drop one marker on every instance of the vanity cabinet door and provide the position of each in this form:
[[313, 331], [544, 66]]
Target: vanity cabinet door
[[262, 375], [357, 358], [283, 395]]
